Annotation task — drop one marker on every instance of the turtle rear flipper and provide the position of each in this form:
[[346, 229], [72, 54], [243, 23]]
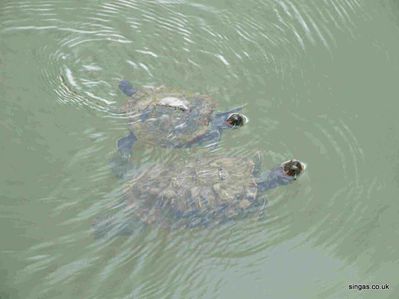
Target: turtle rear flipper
[[127, 88]]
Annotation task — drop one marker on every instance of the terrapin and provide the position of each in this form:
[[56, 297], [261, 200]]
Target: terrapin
[[171, 118], [202, 192]]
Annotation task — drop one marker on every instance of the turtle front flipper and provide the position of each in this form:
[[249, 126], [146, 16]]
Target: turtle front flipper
[[125, 145], [120, 163], [127, 88], [210, 139]]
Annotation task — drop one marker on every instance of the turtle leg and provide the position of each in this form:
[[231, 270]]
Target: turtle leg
[[125, 145], [210, 139], [127, 88], [120, 163]]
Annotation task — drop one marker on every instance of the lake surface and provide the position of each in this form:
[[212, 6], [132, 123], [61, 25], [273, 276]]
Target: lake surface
[[320, 83]]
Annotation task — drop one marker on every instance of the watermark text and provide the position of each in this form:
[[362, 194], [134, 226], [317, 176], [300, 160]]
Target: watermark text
[[360, 287]]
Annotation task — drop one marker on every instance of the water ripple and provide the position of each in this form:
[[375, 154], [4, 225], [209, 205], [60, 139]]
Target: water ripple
[[235, 57]]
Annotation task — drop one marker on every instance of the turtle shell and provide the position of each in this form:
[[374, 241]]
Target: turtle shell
[[168, 117], [200, 191]]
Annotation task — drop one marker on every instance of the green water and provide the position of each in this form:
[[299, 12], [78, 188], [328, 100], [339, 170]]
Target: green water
[[320, 80]]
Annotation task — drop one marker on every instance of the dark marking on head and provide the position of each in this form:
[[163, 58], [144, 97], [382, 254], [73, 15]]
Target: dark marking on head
[[235, 120], [293, 168]]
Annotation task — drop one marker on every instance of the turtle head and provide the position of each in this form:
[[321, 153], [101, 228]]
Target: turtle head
[[293, 168], [235, 120]]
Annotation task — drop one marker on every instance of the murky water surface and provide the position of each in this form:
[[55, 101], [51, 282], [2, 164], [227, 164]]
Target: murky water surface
[[320, 83]]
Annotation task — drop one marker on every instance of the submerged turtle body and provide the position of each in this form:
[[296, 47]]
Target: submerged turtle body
[[174, 119], [202, 191], [167, 117]]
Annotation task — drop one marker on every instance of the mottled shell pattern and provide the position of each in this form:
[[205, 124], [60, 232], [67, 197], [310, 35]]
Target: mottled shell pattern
[[202, 191], [168, 117]]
